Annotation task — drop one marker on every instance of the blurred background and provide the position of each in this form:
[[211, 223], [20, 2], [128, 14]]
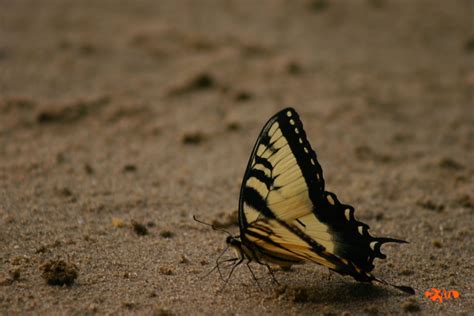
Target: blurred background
[[122, 112]]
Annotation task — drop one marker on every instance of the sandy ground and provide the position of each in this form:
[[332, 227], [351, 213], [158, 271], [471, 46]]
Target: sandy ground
[[145, 112]]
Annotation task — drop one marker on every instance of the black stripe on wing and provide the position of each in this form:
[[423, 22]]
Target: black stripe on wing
[[255, 200], [292, 129]]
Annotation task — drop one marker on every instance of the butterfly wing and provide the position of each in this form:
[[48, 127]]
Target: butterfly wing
[[286, 215], [277, 182]]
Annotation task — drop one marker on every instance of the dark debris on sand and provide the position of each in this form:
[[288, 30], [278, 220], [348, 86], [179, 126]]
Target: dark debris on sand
[[139, 228], [59, 272]]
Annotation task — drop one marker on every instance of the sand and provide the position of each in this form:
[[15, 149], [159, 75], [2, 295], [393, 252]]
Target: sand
[[119, 121]]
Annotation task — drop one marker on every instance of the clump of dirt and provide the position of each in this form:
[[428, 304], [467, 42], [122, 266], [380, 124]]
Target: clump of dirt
[[139, 228], [233, 126], [167, 234], [13, 275], [193, 138], [129, 168], [59, 272], [365, 152], [450, 164], [430, 205], [198, 82], [166, 271], [72, 112], [243, 96], [89, 169]]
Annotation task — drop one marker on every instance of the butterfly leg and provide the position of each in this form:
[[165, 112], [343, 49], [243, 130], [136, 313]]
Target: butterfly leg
[[271, 273], [253, 275], [217, 266], [231, 271], [218, 263], [233, 268]]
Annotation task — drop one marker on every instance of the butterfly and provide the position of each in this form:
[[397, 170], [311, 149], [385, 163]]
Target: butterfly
[[286, 217]]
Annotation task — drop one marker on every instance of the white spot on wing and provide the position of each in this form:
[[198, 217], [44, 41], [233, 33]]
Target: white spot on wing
[[297, 130], [347, 213], [360, 229], [288, 113], [292, 122], [306, 150], [330, 200], [372, 245], [300, 140]]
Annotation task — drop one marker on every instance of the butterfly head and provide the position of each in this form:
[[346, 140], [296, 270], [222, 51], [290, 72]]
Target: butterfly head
[[236, 243], [233, 241]]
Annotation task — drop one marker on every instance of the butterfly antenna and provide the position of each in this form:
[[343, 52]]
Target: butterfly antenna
[[406, 289], [212, 226]]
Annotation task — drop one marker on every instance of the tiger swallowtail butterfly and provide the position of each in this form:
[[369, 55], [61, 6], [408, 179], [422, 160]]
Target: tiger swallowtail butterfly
[[286, 217]]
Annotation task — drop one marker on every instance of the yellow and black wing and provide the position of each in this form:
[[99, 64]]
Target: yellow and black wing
[[286, 216]]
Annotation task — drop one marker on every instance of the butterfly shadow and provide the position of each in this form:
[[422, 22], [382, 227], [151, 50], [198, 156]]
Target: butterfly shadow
[[341, 292]]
